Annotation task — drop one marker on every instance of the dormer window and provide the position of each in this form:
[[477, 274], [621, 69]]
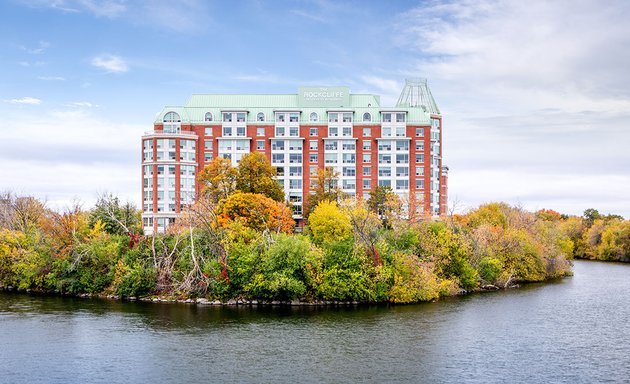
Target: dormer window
[[313, 118], [260, 116], [172, 123], [367, 117], [208, 117], [172, 117]]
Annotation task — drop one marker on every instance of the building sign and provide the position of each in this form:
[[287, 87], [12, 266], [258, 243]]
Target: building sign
[[324, 96]]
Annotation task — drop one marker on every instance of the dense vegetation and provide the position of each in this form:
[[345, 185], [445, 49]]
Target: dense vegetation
[[239, 244]]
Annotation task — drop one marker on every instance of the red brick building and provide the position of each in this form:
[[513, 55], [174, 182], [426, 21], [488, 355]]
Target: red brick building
[[366, 143]]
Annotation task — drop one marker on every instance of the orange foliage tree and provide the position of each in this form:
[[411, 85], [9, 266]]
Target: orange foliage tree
[[255, 211]]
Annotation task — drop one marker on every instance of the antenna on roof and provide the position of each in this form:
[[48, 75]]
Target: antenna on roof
[[416, 93]]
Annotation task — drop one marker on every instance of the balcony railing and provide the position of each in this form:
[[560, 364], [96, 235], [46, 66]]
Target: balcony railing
[[162, 133]]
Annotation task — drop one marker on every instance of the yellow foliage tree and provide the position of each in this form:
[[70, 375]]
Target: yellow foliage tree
[[255, 211], [329, 223]]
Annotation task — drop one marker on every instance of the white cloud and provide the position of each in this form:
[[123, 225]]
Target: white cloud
[[82, 104], [535, 97], [41, 47], [83, 156], [52, 78], [110, 63], [25, 100], [102, 8]]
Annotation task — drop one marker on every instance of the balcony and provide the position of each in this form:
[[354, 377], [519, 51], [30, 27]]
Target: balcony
[[163, 133]]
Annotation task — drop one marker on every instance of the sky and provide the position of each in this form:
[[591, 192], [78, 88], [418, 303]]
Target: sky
[[535, 95]]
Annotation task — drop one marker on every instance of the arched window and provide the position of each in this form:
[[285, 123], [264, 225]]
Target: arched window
[[208, 117], [172, 117], [260, 116], [313, 117], [172, 123], [367, 117]]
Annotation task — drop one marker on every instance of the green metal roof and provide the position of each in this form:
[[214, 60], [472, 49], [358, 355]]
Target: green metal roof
[[198, 105]]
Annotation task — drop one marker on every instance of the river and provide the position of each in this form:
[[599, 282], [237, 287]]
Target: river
[[576, 330]]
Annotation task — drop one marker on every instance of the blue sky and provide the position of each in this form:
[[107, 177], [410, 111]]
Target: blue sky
[[535, 96]]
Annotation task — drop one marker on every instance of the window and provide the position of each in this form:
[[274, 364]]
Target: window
[[349, 158], [384, 183], [333, 131], [333, 117], [402, 145], [419, 145], [419, 171], [400, 131], [367, 117], [295, 158], [313, 170], [295, 184], [207, 144], [280, 117], [227, 131], [419, 184], [402, 171], [207, 157], [293, 131], [347, 117], [367, 132], [384, 159], [277, 157], [384, 172], [346, 131], [312, 145], [402, 184], [279, 171], [297, 209], [367, 145], [367, 171], [330, 158], [279, 131], [331, 145], [260, 131], [227, 117], [385, 145], [207, 131], [277, 145], [208, 117], [312, 158], [367, 184], [348, 184], [348, 146], [386, 132], [419, 158], [172, 117], [295, 171], [349, 171], [260, 116], [260, 145], [294, 117], [387, 117], [295, 145], [402, 158], [420, 132], [240, 131], [313, 131], [400, 117], [313, 118], [367, 158], [240, 117]]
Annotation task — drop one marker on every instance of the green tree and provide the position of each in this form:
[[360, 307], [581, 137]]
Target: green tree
[[256, 175], [118, 219], [385, 203]]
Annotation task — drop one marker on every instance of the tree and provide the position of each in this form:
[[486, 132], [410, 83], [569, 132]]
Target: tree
[[385, 203], [118, 219], [256, 211], [328, 223], [325, 188], [590, 215], [256, 175], [218, 179]]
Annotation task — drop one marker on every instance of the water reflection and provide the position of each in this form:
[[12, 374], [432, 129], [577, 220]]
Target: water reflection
[[568, 331]]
